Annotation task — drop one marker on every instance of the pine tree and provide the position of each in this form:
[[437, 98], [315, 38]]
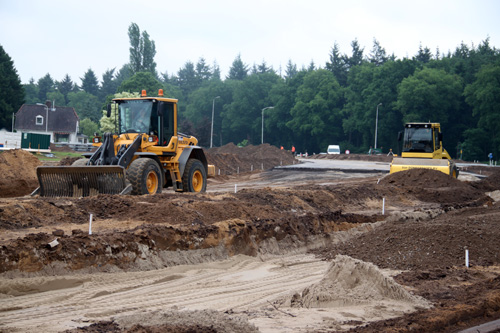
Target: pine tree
[[89, 83], [11, 90], [238, 70]]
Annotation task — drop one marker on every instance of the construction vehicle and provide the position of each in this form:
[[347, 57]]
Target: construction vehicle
[[146, 154], [423, 149]]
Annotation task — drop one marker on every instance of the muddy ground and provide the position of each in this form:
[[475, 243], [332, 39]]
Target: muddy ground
[[411, 257]]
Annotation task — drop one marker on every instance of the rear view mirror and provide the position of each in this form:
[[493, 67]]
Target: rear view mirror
[[440, 137], [108, 110], [400, 136]]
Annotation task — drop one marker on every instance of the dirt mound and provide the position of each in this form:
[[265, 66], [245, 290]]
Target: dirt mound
[[490, 183], [208, 321], [68, 160], [422, 178], [231, 159], [17, 173], [434, 186], [350, 281]]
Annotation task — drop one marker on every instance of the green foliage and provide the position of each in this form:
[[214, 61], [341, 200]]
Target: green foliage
[[57, 98], [45, 85], [88, 127], [142, 51], [108, 124], [89, 83], [313, 107], [429, 95], [484, 96], [243, 143], [85, 105], [11, 90], [316, 118], [140, 81]]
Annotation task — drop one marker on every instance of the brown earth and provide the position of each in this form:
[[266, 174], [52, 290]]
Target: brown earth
[[430, 219], [17, 173]]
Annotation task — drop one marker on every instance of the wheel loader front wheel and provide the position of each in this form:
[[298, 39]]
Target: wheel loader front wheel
[[145, 176], [195, 177]]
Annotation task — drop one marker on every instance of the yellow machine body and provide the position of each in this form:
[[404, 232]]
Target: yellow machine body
[[423, 149], [145, 154]]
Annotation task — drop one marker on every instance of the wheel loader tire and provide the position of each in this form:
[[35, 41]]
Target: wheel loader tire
[[80, 162], [195, 177], [145, 176]]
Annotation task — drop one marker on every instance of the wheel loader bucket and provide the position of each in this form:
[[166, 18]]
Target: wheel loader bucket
[[80, 181], [403, 163]]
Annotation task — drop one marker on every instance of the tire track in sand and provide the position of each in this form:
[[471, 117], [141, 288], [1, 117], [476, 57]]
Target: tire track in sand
[[239, 283]]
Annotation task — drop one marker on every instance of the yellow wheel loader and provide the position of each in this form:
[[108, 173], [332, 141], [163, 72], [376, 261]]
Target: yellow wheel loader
[[423, 148], [146, 154]]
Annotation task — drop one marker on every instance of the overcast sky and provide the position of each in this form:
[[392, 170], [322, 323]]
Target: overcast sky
[[70, 36]]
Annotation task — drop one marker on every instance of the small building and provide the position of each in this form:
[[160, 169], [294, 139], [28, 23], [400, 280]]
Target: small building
[[60, 122]]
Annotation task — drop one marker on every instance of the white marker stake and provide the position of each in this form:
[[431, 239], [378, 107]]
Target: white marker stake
[[235, 188], [383, 206], [90, 225], [467, 258]]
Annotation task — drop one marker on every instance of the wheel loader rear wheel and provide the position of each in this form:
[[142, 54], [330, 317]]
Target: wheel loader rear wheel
[[145, 176], [195, 177]]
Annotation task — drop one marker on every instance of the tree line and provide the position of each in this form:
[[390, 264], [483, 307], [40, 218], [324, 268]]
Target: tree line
[[308, 107]]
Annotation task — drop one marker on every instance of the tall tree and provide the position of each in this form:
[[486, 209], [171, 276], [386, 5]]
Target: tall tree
[[424, 55], [11, 90], [378, 55], [89, 83], [109, 84], [484, 96], [142, 51], [31, 92], [291, 70], [65, 87], [187, 79], [203, 73], [337, 65], [316, 114], [45, 85], [238, 70]]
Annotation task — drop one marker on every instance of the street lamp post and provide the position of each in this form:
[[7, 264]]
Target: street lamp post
[[212, 127], [376, 126], [269, 107]]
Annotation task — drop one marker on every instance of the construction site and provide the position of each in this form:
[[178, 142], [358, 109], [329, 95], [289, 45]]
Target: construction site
[[267, 248]]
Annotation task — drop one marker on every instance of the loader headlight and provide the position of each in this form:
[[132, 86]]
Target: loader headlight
[[150, 139]]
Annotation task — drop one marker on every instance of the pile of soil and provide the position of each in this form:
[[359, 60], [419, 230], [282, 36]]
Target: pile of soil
[[350, 281], [17, 173], [232, 159], [434, 186]]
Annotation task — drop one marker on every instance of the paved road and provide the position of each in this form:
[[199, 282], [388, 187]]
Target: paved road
[[339, 165]]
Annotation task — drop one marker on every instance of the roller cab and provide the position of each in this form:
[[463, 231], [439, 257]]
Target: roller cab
[[423, 149]]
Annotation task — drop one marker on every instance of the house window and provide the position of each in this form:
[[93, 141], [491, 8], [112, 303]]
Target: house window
[[39, 120]]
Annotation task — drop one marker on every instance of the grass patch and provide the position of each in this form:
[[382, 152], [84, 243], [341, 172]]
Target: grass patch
[[58, 155]]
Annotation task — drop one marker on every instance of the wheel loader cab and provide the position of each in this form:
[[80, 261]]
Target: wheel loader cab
[[148, 116]]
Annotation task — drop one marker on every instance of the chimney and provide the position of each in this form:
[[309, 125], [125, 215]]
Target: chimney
[[49, 104]]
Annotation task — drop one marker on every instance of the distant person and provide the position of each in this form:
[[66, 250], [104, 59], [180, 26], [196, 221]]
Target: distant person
[[293, 150], [490, 156]]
